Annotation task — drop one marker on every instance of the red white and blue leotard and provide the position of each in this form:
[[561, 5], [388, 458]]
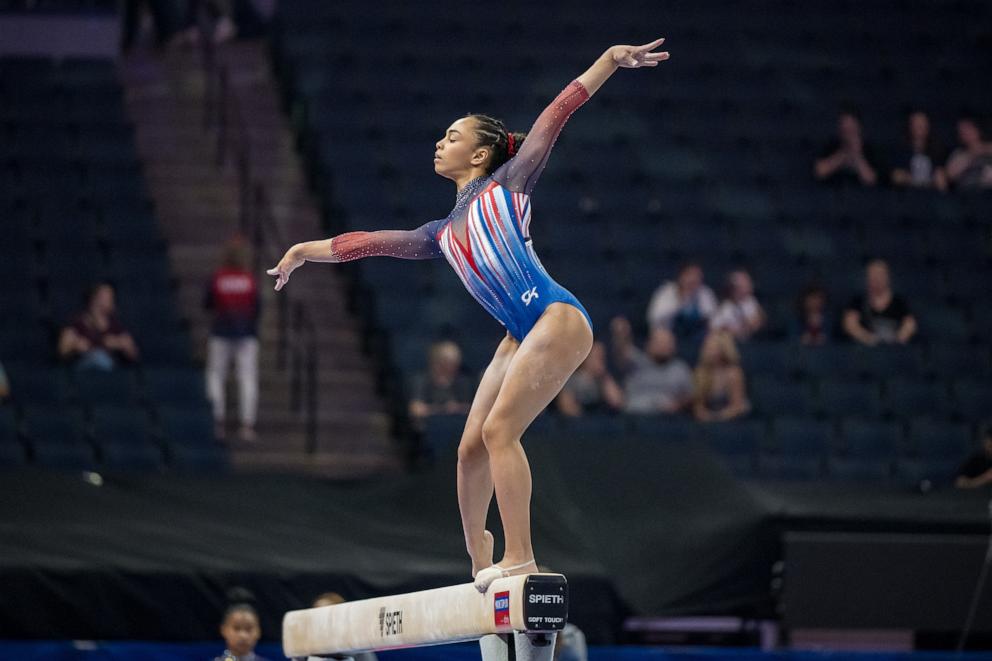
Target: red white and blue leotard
[[486, 236]]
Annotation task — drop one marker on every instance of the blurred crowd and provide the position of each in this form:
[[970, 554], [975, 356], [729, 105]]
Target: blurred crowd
[[921, 162], [689, 363]]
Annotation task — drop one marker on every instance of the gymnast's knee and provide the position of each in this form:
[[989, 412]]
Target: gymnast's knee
[[471, 449], [497, 434]]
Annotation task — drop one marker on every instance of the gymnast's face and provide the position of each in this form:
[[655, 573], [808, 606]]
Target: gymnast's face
[[241, 632], [458, 151]]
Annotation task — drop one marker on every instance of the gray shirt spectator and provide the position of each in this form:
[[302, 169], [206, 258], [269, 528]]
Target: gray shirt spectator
[[970, 165], [655, 380], [443, 389]]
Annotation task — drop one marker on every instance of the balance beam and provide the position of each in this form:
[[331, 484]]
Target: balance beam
[[530, 602]]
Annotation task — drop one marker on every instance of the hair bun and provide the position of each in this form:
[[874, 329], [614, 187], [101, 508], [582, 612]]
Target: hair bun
[[240, 595]]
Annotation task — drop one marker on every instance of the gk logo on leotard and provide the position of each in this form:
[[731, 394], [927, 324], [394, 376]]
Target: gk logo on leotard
[[528, 295]]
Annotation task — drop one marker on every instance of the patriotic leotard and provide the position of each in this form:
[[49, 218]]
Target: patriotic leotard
[[486, 236]]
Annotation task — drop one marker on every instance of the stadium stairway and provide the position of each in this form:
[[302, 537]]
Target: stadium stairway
[[197, 203]]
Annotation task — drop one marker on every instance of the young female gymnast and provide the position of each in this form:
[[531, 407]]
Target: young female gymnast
[[486, 239]]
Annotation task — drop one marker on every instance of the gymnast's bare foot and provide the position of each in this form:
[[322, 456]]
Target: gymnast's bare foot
[[483, 556], [485, 577]]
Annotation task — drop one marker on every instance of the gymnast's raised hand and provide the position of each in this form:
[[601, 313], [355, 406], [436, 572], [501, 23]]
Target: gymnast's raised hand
[[633, 57]]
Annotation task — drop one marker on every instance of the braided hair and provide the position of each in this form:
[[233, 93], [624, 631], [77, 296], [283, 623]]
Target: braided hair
[[491, 132]]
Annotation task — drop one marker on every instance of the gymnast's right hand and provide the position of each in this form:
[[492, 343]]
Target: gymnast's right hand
[[292, 260]]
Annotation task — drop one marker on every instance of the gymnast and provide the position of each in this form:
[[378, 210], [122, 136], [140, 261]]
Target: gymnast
[[486, 239]]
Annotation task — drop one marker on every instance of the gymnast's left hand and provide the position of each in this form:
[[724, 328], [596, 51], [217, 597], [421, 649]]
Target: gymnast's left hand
[[291, 261], [634, 57]]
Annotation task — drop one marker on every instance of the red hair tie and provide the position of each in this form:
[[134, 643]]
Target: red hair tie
[[511, 148]]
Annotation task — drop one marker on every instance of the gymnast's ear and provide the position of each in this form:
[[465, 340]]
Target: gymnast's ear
[[481, 155]]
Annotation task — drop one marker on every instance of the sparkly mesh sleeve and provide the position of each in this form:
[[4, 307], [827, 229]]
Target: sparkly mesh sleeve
[[521, 172], [420, 243]]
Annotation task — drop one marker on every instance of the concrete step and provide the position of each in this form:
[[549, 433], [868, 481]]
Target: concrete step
[[197, 201]]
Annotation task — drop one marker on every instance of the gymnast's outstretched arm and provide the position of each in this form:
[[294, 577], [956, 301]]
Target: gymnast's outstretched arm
[[521, 172], [420, 243]]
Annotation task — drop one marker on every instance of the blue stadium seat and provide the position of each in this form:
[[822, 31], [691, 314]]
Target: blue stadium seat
[[12, 454], [197, 459], [135, 455], [766, 358], [737, 441], [663, 427], [443, 433], [972, 399], [594, 426], [909, 397], [63, 455], [8, 424], [844, 398], [96, 387], [182, 426], [773, 396], [799, 447], [174, 386], [120, 425], [936, 439], [33, 384]]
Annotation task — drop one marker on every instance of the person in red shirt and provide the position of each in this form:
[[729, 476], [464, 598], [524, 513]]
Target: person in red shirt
[[232, 297]]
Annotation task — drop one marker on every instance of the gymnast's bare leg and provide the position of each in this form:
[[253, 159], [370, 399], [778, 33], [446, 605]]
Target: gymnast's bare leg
[[537, 371], [475, 484]]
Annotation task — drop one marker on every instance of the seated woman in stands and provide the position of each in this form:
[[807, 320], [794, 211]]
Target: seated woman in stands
[[96, 339], [720, 389]]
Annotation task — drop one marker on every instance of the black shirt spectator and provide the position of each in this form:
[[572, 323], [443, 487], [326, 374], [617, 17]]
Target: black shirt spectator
[[976, 471], [879, 316], [883, 322], [848, 159], [919, 163]]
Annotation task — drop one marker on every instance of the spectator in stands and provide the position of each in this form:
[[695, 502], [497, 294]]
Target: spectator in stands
[[443, 389], [4, 385], [847, 159], [241, 630], [163, 15], [813, 317], [333, 599], [720, 391], [220, 13], [919, 162], [970, 165], [685, 305], [879, 316], [96, 339], [233, 299], [739, 314], [976, 471], [591, 389], [655, 380]]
